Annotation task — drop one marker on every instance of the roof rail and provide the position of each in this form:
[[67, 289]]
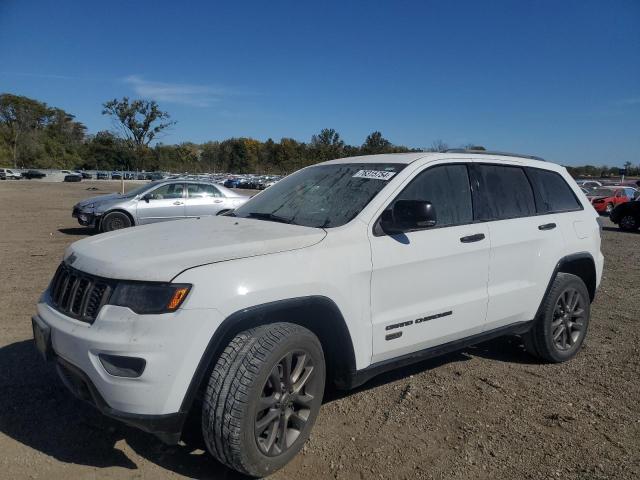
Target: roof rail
[[489, 152]]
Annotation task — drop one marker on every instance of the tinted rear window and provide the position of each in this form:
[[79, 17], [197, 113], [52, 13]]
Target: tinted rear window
[[503, 192], [552, 192]]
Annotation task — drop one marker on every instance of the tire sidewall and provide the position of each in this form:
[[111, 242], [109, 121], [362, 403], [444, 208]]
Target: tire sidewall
[[562, 283], [251, 453], [106, 221]]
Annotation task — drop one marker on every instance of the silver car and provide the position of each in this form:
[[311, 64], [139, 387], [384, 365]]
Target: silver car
[[156, 202]]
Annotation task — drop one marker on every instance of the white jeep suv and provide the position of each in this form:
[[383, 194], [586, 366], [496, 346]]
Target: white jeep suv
[[338, 272]]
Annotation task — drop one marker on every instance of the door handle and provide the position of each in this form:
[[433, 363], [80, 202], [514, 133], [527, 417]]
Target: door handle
[[217, 201], [547, 226], [177, 203], [472, 238]]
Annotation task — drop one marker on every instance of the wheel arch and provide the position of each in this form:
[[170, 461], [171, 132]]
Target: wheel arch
[[581, 265], [117, 210], [317, 313]]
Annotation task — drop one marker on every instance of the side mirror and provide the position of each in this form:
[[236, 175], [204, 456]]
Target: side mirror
[[409, 215], [147, 197]]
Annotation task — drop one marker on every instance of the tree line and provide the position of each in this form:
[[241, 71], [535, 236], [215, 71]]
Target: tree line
[[35, 135]]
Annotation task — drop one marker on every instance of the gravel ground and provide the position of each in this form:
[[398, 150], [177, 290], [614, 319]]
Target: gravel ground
[[487, 412]]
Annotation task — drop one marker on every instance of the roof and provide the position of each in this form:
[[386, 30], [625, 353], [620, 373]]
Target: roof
[[405, 158], [453, 154]]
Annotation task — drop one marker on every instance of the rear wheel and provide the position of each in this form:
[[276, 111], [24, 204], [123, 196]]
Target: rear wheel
[[115, 221], [263, 397], [560, 329], [629, 223]]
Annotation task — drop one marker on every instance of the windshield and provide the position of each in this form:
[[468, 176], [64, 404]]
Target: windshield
[[323, 196], [141, 189]]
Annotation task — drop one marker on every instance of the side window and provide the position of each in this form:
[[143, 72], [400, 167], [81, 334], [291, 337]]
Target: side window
[[552, 192], [447, 188], [199, 190], [503, 192], [169, 191]]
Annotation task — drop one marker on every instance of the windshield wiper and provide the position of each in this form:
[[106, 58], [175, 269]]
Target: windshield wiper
[[269, 216]]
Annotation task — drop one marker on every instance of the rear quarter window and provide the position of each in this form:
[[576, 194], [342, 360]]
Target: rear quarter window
[[552, 193]]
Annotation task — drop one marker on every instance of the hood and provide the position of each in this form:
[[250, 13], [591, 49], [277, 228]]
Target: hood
[[100, 199], [598, 197], [160, 251]]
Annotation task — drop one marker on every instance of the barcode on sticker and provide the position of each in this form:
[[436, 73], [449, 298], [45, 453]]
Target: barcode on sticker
[[376, 174]]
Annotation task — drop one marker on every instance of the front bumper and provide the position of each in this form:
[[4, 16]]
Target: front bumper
[[171, 345], [86, 219]]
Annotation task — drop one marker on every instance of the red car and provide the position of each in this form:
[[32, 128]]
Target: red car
[[605, 199]]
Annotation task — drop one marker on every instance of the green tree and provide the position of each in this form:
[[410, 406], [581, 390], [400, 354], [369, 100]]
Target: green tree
[[20, 117], [140, 121], [327, 144], [375, 143]]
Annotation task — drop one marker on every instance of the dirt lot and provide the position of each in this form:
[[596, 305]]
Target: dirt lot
[[487, 412]]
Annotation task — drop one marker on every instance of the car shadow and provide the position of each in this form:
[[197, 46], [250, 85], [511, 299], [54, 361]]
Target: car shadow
[[616, 229], [77, 231], [39, 412], [503, 349]]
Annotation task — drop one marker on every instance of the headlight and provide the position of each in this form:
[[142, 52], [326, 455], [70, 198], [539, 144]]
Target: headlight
[[147, 298]]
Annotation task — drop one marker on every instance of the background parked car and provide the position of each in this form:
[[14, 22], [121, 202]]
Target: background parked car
[[29, 174], [627, 215], [116, 176], [8, 174], [157, 202], [102, 176], [605, 199], [83, 174], [73, 177], [589, 184]]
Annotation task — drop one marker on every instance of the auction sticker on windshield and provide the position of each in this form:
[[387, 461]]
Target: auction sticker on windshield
[[375, 174]]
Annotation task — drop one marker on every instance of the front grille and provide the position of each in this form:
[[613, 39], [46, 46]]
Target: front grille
[[78, 294]]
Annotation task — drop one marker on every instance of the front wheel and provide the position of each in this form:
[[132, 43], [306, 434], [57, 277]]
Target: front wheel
[[263, 397], [115, 221], [561, 327]]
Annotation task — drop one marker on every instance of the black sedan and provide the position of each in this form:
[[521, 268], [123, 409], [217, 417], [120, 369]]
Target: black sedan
[[33, 174], [627, 216]]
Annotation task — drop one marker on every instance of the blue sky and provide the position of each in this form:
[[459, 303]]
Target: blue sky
[[555, 78]]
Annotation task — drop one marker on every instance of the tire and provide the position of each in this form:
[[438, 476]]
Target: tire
[[608, 209], [115, 221], [561, 327], [239, 429], [628, 223]]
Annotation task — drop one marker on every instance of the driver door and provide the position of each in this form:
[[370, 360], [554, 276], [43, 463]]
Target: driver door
[[161, 204], [429, 287]]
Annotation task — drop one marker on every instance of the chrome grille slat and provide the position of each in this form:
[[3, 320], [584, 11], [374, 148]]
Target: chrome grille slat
[[78, 294]]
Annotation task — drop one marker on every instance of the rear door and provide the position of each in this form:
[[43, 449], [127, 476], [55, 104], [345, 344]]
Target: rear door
[[429, 287], [525, 246], [202, 200], [164, 203]]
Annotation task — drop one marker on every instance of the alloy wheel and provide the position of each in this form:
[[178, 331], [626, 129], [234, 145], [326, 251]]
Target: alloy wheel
[[568, 322], [285, 403]]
